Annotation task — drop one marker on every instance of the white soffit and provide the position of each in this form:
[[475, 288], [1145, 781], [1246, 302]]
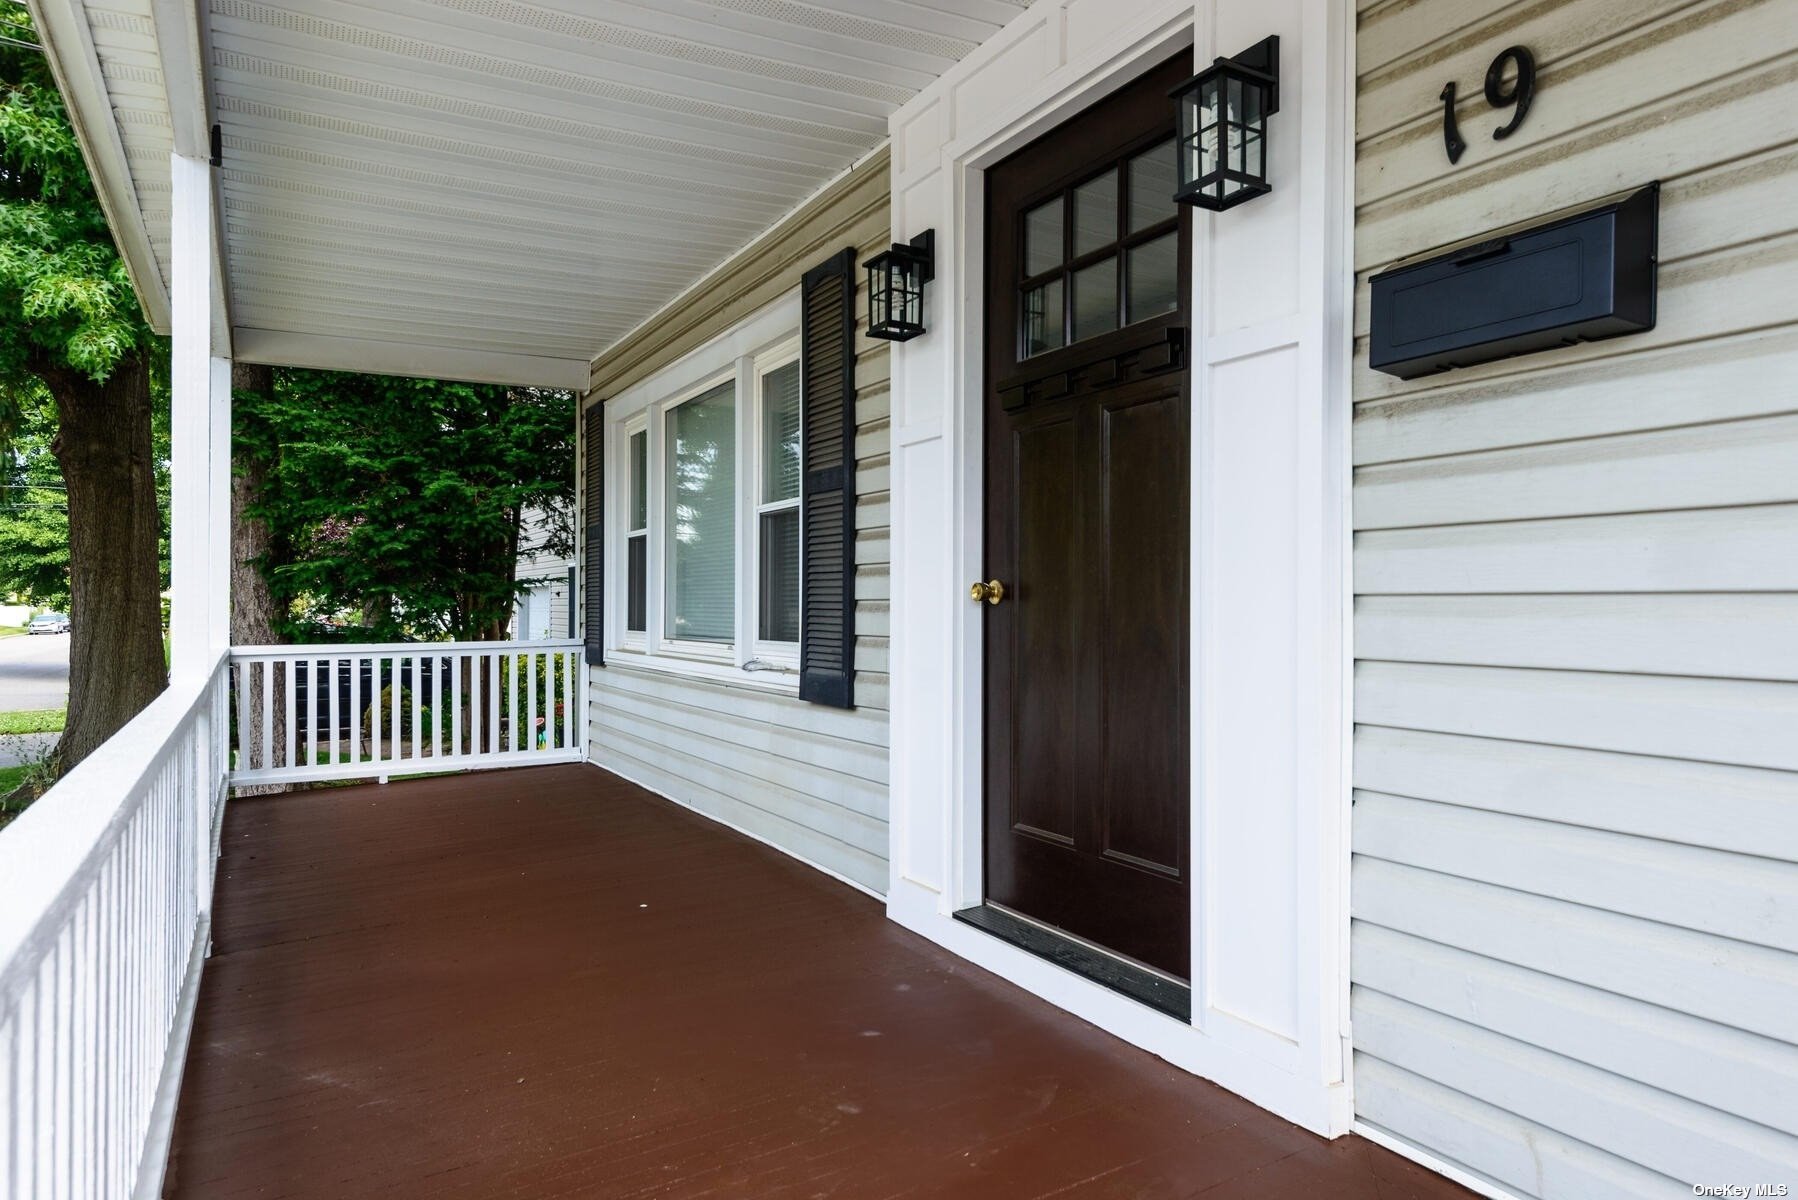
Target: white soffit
[[107, 61], [534, 180]]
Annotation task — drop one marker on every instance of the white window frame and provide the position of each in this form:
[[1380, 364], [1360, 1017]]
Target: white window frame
[[635, 639], [659, 531], [763, 342], [778, 654]]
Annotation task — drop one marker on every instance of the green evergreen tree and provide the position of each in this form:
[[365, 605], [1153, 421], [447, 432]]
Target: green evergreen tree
[[396, 504]]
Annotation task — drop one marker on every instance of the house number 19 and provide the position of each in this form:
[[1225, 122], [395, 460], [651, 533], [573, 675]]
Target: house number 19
[[1518, 93]]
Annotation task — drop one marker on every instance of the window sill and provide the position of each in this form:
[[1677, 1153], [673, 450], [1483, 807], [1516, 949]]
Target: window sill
[[777, 683]]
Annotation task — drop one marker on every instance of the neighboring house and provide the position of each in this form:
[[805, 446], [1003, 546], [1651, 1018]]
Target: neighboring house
[[1412, 757], [546, 608]]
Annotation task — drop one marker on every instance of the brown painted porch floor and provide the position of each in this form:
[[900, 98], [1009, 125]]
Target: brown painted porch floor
[[549, 983]]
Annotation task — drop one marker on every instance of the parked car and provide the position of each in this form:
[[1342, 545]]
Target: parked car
[[48, 623]]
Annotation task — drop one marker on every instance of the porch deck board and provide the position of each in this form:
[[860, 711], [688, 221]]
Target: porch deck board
[[547, 982]]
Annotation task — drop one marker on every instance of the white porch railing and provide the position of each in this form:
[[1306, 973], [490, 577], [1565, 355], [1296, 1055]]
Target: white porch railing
[[106, 881], [344, 712], [105, 894]]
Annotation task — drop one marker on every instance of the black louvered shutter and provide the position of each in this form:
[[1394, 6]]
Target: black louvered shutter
[[594, 585], [827, 586]]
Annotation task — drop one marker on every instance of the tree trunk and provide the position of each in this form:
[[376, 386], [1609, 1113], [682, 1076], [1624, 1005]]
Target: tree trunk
[[253, 605], [116, 664]]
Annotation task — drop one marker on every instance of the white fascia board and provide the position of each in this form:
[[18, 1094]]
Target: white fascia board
[[69, 47], [281, 348]]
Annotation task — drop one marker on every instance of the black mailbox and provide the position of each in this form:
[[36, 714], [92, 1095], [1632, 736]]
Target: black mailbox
[[1577, 279]]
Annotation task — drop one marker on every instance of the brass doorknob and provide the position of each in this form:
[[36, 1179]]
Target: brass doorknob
[[992, 591]]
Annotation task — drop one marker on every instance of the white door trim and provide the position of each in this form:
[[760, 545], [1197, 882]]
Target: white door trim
[[1270, 671]]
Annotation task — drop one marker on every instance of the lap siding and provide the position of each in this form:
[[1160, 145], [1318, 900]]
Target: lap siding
[[1574, 948], [811, 781]]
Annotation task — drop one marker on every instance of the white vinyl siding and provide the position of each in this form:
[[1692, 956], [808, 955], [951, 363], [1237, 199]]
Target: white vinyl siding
[[1574, 952], [808, 779], [541, 612]]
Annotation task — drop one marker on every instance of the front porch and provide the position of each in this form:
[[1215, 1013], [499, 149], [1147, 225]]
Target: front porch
[[550, 982]]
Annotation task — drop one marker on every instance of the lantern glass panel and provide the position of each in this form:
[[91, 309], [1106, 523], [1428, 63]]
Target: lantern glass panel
[[1233, 119], [1211, 121], [879, 309], [1254, 122], [908, 293]]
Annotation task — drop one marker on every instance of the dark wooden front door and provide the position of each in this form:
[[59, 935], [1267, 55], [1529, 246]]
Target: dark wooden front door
[[1087, 420]]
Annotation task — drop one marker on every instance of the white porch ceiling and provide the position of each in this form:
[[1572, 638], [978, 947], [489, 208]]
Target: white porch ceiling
[[494, 177]]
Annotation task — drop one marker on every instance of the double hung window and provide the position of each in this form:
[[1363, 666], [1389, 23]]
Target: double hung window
[[708, 535], [636, 604], [777, 508], [701, 480]]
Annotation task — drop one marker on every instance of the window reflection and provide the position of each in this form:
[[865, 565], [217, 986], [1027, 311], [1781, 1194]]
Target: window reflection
[[702, 436]]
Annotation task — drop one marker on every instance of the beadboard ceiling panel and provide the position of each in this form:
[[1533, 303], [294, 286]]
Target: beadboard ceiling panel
[[540, 177], [532, 178], [108, 63]]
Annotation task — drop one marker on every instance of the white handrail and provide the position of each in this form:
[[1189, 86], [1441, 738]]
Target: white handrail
[[324, 650], [375, 710], [103, 931], [106, 881]]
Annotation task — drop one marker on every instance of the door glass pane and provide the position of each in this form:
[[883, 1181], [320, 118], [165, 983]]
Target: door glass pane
[[640, 480], [636, 605], [1154, 277], [702, 517], [1096, 213], [1042, 238], [780, 576], [1152, 186], [1042, 318], [780, 433], [1096, 298]]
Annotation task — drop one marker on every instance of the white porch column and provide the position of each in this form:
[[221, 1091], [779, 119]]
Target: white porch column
[[200, 382], [200, 486]]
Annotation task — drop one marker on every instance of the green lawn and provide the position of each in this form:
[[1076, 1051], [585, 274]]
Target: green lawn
[[32, 720], [11, 630]]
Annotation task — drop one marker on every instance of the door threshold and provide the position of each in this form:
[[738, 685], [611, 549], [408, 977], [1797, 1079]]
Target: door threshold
[[1159, 992]]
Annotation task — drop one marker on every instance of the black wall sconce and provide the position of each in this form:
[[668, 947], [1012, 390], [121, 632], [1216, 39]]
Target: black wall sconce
[[896, 282], [1222, 149]]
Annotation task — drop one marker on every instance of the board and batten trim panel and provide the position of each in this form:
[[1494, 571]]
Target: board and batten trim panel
[[1574, 936], [807, 779]]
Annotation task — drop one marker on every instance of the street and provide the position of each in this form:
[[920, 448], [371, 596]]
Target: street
[[34, 671]]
